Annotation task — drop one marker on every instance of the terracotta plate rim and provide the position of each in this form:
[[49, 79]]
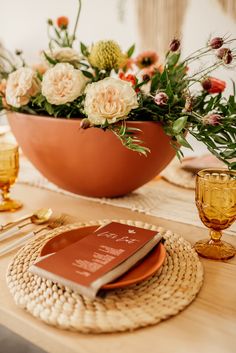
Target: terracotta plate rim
[[152, 270]]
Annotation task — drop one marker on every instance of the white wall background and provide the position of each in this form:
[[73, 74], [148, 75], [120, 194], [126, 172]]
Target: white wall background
[[23, 22], [23, 25]]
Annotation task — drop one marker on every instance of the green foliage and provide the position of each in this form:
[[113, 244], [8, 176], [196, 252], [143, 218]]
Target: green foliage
[[126, 134], [130, 51], [40, 106], [49, 59], [84, 49], [179, 124], [220, 139]]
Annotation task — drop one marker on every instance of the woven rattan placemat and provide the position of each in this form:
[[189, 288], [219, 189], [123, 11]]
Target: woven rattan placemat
[[176, 175], [163, 295]]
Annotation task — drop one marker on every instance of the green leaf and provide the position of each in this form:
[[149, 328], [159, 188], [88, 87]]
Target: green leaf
[[84, 49], [155, 81], [87, 74], [49, 59], [220, 139], [130, 51], [179, 124], [234, 88], [183, 142], [232, 166], [130, 142], [49, 108], [173, 59]]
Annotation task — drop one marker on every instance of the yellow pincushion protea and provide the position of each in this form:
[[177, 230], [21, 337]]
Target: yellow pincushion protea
[[106, 55]]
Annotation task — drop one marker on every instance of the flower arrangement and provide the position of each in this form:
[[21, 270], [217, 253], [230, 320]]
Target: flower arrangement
[[106, 87]]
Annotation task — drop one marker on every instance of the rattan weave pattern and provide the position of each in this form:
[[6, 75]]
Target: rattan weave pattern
[[163, 295]]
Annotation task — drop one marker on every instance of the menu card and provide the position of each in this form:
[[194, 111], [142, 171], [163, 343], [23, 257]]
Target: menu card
[[98, 258]]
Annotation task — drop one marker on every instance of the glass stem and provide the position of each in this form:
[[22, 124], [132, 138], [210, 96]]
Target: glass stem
[[5, 193], [215, 235]]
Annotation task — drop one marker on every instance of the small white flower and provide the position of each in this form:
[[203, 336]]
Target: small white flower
[[65, 55], [22, 84], [109, 100], [62, 84]]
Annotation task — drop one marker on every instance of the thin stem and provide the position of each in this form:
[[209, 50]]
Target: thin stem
[[215, 235], [5, 193], [76, 23], [200, 51], [206, 71], [200, 57]]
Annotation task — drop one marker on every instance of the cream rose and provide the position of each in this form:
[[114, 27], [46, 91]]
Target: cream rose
[[62, 84], [109, 100], [22, 84], [65, 55]]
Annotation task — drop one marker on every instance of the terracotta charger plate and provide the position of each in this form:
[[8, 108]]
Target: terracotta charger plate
[[144, 269]]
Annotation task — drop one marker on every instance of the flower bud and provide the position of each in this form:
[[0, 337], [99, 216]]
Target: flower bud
[[174, 45], [85, 123], [62, 22], [18, 52], [213, 85], [146, 77], [228, 58], [225, 55], [50, 22], [216, 43], [222, 52], [211, 119], [206, 84], [161, 99]]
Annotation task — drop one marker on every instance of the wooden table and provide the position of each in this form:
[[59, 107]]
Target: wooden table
[[207, 325]]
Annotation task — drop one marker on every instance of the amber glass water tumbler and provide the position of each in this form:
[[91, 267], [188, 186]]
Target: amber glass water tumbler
[[9, 168], [216, 203]]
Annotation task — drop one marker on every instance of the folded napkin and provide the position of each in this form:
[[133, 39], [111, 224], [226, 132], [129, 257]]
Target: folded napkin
[[195, 164]]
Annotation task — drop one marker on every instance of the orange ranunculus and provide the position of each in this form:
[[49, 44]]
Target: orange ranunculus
[[62, 22], [40, 68], [130, 78], [213, 85], [146, 59]]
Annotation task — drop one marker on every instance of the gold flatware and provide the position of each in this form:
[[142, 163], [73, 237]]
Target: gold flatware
[[58, 222], [39, 217]]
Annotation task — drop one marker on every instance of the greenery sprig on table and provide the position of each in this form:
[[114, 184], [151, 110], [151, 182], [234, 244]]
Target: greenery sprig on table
[[107, 87]]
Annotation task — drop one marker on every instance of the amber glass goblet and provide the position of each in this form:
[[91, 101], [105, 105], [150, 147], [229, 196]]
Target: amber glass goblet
[[216, 203], [9, 168]]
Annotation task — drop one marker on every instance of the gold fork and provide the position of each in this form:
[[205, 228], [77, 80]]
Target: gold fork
[[57, 222]]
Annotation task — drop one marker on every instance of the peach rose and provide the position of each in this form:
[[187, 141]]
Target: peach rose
[[22, 84], [62, 84], [109, 100], [65, 55]]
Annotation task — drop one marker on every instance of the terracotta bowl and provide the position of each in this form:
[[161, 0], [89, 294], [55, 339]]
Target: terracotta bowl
[[90, 162]]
